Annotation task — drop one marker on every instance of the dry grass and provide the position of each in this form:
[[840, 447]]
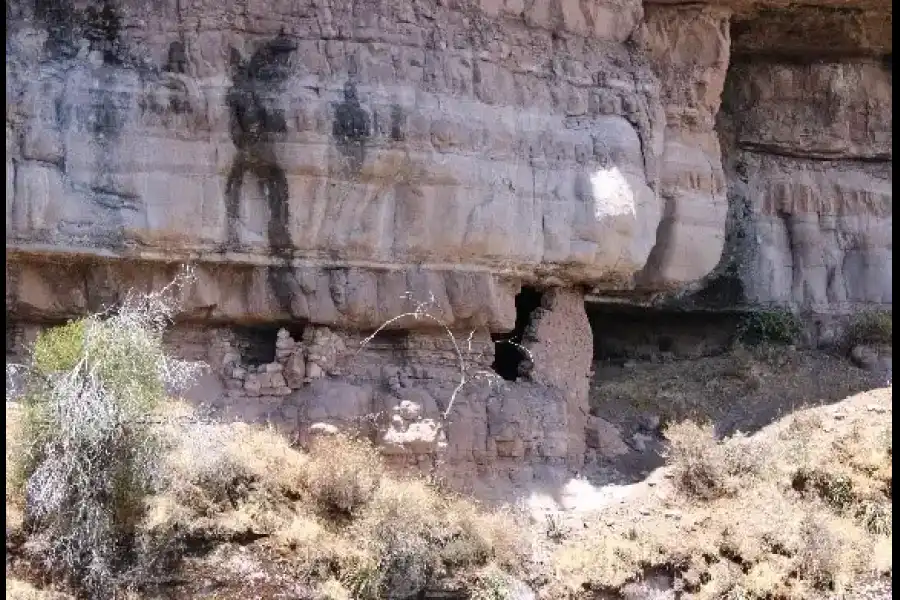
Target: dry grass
[[16, 589], [14, 502], [801, 510], [332, 518], [704, 469], [750, 386], [871, 327]]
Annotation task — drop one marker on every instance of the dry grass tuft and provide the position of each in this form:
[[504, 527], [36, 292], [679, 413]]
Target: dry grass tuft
[[343, 475], [15, 502], [413, 535], [16, 589], [706, 469]]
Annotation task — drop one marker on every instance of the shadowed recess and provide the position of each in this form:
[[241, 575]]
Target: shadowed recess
[[508, 356]]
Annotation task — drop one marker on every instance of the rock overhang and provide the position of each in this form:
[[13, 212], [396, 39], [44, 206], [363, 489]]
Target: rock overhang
[[558, 143]]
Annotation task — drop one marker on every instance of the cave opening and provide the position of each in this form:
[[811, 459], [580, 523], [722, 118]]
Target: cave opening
[[624, 332], [257, 344], [508, 354]]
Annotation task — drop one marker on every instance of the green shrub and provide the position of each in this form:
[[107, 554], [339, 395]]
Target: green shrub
[[769, 327], [871, 327], [88, 448], [59, 349]]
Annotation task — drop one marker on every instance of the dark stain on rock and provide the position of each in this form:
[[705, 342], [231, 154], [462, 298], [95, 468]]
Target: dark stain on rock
[[255, 125], [352, 127], [105, 120], [397, 120], [99, 23], [61, 112], [176, 61], [60, 19], [721, 291], [284, 287], [102, 26]]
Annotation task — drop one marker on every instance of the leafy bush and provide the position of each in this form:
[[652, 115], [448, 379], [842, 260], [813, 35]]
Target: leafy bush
[[772, 327], [88, 449]]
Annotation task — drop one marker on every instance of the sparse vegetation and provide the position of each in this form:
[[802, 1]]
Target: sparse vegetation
[[769, 327], [705, 469], [87, 452], [16, 589], [871, 327], [117, 486], [798, 511], [123, 488], [350, 526]]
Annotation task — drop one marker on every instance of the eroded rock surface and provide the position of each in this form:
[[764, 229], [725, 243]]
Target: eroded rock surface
[[806, 129], [328, 166], [493, 138]]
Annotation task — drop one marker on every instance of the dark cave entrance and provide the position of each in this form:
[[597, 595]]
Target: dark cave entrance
[[257, 343], [623, 332], [508, 356]]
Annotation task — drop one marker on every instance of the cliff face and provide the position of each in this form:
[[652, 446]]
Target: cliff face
[[321, 161], [537, 141], [807, 120]]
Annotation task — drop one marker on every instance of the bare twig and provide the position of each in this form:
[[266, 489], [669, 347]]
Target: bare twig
[[422, 311]]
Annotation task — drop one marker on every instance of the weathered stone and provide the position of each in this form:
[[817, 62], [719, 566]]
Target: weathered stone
[[295, 370], [605, 437], [410, 411], [421, 437], [252, 382], [314, 371], [340, 174], [323, 429], [334, 401]]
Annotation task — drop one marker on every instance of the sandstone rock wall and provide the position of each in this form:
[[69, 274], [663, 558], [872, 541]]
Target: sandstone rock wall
[[327, 165], [812, 163], [404, 389], [806, 126], [490, 137]]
